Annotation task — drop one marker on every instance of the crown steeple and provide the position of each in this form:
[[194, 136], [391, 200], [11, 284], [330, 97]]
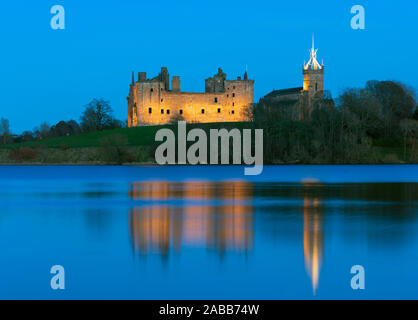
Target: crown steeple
[[313, 62]]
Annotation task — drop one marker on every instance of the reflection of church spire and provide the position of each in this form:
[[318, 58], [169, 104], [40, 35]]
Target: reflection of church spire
[[313, 237]]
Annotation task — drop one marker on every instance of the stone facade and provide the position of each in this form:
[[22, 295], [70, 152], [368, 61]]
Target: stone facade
[[313, 80], [313, 84], [152, 102], [301, 99]]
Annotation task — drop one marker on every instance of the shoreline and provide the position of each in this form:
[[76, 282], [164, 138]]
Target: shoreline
[[148, 164]]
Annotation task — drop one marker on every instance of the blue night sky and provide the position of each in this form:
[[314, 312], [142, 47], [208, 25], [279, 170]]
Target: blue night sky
[[50, 75]]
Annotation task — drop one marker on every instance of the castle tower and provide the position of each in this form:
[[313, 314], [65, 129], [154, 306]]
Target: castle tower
[[313, 74]]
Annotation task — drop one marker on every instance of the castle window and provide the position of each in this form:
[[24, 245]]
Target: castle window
[[216, 100], [233, 112], [152, 89], [227, 95], [203, 111], [181, 111], [233, 95], [233, 104], [316, 87], [219, 110], [168, 111], [162, 111], [162, 100], [150, 110]]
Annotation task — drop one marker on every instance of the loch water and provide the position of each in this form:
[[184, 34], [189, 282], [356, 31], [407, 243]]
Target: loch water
[[209, 232]]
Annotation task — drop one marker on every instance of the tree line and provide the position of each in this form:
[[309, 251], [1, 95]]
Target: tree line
[[97, 116], [376, 123], [349, 129]]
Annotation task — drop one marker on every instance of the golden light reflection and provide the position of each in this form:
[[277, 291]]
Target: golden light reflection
[[313, 234], [202, 214]]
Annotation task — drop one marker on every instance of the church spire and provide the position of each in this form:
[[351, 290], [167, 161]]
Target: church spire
[[313, 62]]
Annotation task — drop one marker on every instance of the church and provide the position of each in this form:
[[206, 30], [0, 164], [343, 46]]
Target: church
[[313, 84]]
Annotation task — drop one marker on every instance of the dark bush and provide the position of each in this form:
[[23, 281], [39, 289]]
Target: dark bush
[[114, 150], [388, 143], [23, 154]]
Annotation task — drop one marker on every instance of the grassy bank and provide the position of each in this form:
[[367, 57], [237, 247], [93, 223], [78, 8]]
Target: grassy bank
[[138, 136], [127, 145], [80, 156], [137, 145]]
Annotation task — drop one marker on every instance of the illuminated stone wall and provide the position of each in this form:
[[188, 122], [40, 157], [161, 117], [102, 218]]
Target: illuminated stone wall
[[313, 81], [151, 102]]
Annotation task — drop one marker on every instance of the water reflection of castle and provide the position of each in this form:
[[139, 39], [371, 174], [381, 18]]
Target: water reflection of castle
[[216, 215], [213, 215]]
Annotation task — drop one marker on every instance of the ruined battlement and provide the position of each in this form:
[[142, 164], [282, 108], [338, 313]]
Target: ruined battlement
[[154, 101]]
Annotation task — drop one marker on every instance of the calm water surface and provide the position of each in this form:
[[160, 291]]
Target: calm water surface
[[209, 232]]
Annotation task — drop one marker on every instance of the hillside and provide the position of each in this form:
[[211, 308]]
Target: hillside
[[137, 145], [137, 136]]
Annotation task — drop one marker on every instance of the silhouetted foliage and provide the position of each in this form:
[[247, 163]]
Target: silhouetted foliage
[[5, 135], [116, 124], [26, 136], [114, 149], [42, 132], [415, 116], [380, 107], [23, 154], [97, 116], [63, 128], [322, 131]]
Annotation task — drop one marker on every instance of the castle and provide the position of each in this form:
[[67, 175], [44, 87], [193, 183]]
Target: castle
[[153, 102]]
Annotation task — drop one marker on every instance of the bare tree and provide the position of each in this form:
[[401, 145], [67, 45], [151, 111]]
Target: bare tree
[[43, 131], [248, 112], [5, 130], [97, 116], [409, 129], [65, 128]]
